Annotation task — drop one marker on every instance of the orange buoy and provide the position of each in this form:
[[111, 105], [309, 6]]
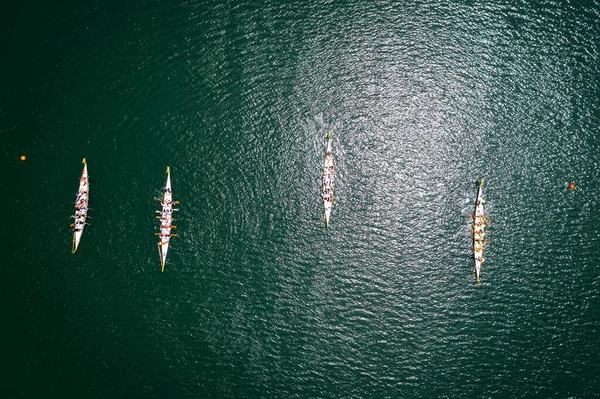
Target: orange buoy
[[571, 186], [23, 157]]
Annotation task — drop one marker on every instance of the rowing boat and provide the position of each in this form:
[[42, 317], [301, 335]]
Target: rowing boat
[[479, 231], [81, 207], [328, 180], [166, 220]]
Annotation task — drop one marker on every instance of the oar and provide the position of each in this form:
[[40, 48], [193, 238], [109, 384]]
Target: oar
[[174, 235]]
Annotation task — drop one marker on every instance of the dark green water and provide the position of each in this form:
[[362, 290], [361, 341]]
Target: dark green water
[[257, 299]]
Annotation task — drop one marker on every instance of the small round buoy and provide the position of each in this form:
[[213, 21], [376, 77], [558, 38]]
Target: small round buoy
[[571, 186], [23, 157]]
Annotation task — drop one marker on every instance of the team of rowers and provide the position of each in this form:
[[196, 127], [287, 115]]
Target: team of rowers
[[166, 218], [81, 205], [328, 179], [479, 230]]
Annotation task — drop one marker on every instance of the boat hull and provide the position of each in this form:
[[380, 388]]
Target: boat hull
[[328, 180], [81, 207], [479, 232], [166, 221]]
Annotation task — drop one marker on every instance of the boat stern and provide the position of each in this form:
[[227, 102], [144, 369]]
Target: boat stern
[[328, 207], [478, 261], [76, 239], [163, 247]]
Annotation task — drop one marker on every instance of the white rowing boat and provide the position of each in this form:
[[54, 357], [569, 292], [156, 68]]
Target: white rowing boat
[[328, 180], [479, 223], [81, 207], [166, 220]]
